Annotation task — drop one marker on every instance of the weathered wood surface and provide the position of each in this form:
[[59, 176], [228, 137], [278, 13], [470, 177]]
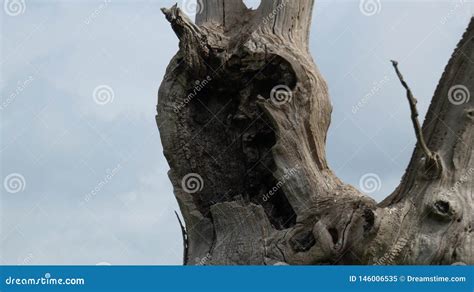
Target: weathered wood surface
[[243, 114]]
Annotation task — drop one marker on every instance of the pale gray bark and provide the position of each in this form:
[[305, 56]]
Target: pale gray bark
[[267, 195]]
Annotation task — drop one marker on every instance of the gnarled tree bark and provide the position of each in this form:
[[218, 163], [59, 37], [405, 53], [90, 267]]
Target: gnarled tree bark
[[243, 114]]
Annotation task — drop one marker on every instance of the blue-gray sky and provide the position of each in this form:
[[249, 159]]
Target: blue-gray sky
[[92, 179]]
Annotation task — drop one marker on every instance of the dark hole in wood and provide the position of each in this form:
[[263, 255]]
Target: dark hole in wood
[[334, 235], [303, 241], [369, 219], [442, 207], [233, 139]]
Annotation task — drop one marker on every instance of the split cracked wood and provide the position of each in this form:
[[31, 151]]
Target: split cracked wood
[[243, 113]]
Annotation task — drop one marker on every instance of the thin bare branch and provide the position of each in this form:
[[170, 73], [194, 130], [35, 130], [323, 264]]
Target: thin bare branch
[[431, 157]]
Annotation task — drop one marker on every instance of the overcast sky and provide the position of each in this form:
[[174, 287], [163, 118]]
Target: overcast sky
[[83, 176]]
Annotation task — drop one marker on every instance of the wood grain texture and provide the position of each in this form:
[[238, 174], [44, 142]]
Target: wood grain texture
[[244, 110]]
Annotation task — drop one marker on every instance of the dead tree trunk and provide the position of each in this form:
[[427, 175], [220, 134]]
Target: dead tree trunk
[[243, 114]]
